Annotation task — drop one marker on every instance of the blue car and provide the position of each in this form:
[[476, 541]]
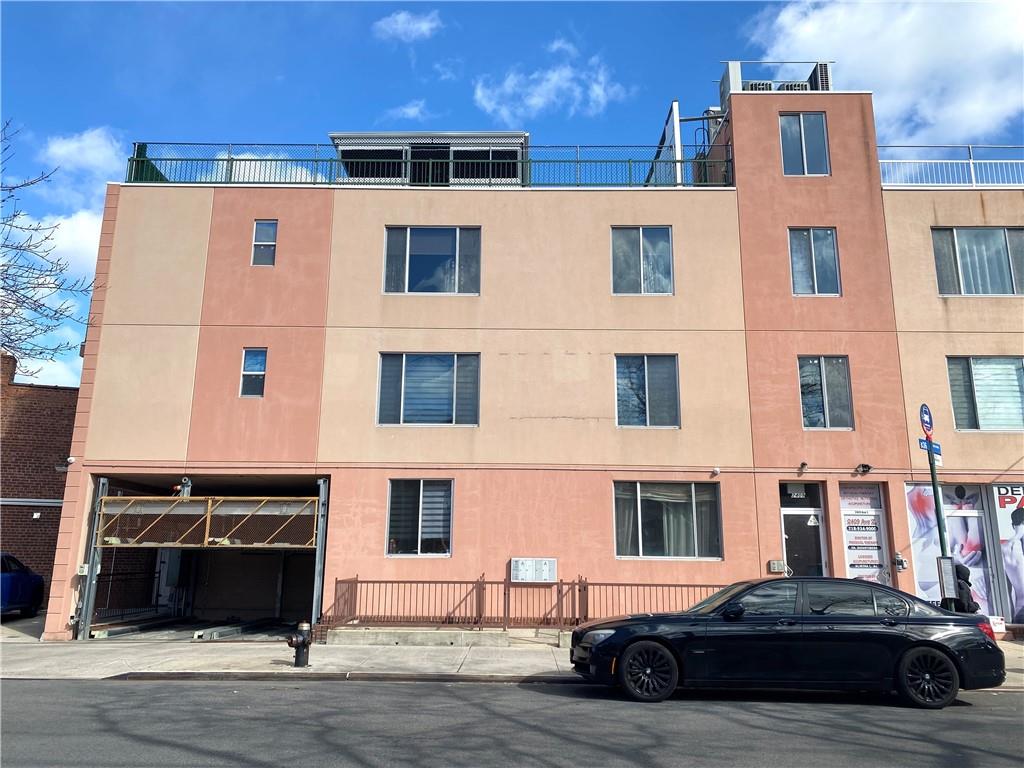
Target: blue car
[[21, 589]]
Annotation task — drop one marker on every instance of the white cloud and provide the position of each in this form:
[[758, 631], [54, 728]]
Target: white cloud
[[84, 162], [63, 372], [940, 73], [415, 110], [73, 202], [587, 89], [408, 27], [95, 151], [449, 69], [76, 240], [561, 45]]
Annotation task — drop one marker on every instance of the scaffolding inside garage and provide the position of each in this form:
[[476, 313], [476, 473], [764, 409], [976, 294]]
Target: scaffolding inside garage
[[207, 530]]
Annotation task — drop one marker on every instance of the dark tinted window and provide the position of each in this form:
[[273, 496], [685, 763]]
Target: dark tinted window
[[800, 495], [709, 604], [778, 599], [887, 604], [831, 599], [5, 565]]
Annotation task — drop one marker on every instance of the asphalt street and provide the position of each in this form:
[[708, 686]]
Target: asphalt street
[[273, 725]]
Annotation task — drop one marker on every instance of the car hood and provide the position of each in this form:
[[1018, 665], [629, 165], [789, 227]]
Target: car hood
[[615, 622]]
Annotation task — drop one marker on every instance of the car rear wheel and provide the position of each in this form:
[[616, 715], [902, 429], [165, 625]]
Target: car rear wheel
[[648, 671], [927, 678]]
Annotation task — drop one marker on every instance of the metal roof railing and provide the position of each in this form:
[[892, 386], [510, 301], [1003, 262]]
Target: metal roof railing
[[961, 165], [398, 166]]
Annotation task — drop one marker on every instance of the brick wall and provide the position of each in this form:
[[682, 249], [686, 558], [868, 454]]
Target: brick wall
[[35, 436]]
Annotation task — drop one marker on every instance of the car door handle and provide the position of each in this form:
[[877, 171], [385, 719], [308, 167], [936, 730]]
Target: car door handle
[[785, 622], [888, 622]]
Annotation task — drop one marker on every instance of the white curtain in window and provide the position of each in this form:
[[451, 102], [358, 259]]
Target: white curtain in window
[[984, 260], [999, 389]]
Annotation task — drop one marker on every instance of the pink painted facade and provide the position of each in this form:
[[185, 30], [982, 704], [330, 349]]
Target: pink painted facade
[[535, 477]]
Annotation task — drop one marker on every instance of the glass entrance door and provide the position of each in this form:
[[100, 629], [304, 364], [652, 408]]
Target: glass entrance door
[[803, 539]]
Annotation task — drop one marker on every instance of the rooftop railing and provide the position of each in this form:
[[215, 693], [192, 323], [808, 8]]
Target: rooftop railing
[[536, 166], [969, 165]]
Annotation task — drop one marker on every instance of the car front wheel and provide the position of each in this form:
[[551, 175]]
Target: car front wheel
[[648, 671], [927, 678]]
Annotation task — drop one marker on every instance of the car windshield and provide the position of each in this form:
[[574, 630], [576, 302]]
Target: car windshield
[[709, 604]]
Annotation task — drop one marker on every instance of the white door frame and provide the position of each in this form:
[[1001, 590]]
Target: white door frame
[[822, 541]]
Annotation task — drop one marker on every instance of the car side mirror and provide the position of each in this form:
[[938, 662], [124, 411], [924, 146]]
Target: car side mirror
[[732, 611]]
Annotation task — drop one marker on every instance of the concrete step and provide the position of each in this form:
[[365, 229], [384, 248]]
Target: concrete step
[[458, 638]]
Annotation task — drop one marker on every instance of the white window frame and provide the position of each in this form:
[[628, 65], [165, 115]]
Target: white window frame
[[640, 259], [455, 391], [814, 266], [419, 521], [803, 145], [255, 242], [408, 245], [647, 398], [263, 373], [974, 393], [960, 272], [824, 394], [639, 530]]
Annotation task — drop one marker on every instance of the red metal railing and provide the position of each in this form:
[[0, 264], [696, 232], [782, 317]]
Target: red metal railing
[[482, 603]]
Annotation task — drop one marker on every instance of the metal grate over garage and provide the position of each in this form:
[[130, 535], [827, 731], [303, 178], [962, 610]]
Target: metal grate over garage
[[207, 521]]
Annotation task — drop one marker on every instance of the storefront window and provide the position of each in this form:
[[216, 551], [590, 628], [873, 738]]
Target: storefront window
[[964, 508]]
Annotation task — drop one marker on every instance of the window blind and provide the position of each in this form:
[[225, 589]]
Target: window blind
[[467, 389], [436, 517], [429, 389]]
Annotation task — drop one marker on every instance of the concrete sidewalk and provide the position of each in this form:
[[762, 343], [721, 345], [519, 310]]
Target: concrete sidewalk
[[257, 660]]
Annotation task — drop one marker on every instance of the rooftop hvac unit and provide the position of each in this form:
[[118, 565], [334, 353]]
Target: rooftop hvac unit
[[821, 77], [798, 85], [757, 85]]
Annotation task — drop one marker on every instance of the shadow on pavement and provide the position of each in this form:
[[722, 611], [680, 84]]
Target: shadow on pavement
[[14, 628], [594, 692]]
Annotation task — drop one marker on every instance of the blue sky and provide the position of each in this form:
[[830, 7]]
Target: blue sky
[[84, 80]]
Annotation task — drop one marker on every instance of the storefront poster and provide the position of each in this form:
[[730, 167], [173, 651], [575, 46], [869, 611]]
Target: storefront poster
[[1009, 502], [965, 536], [862, 532]]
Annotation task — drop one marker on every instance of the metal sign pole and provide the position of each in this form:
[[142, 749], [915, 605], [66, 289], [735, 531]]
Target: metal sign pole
[[940, 519], [927, 425]]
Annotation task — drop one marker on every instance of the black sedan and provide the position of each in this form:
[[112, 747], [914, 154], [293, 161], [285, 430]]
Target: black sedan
[[808, 633]]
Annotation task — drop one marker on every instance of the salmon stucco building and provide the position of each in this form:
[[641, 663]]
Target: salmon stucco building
[[463, 377]]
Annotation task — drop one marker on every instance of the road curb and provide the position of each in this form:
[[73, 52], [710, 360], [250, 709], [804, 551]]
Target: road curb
[[376, 677]]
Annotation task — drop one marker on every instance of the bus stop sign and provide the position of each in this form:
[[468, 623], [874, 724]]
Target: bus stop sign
[[926, 420]]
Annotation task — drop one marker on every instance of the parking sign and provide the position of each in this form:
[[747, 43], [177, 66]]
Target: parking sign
[[926, 420]]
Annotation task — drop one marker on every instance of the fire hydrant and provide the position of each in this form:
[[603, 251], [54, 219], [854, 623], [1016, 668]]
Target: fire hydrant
[[300, 642]]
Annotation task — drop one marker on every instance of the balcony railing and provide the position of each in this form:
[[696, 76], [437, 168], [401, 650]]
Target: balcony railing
[[537, 166], [973, 165]]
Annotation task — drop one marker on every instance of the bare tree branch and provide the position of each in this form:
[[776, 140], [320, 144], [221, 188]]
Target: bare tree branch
[[37, 296]]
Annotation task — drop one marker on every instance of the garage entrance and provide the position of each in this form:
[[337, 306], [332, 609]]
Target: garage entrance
[[203, 567]]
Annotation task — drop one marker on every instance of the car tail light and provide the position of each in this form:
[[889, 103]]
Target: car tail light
[[986, 627]]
